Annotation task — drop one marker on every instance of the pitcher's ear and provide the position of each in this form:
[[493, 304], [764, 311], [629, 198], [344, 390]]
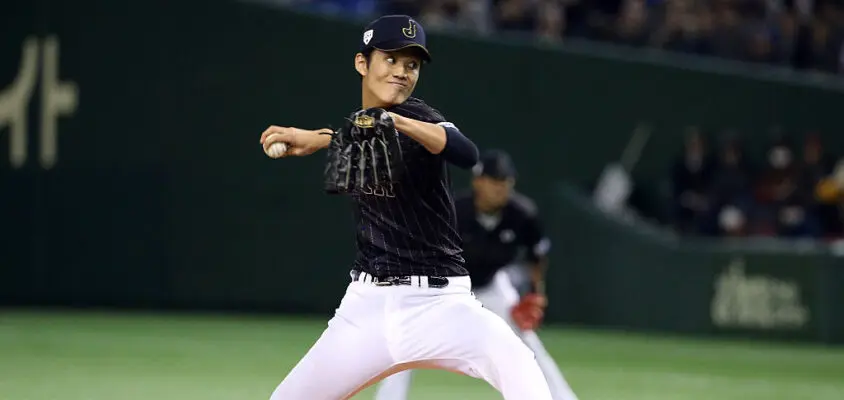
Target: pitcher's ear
[[362, 64]]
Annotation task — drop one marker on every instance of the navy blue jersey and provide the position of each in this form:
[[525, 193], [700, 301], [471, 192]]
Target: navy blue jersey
[[415, 232], [492, 242]]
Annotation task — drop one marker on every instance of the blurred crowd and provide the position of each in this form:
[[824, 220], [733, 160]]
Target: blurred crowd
[[793, 189], [804, 34]]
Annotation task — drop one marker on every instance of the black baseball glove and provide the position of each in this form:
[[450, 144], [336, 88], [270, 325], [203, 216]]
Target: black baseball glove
[[364, 157]]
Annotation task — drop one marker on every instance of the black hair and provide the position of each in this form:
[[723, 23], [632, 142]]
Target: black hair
[[367, 53]]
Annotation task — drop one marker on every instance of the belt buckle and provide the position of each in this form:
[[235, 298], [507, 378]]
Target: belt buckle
[[392, 281], [385, 281], [437, 282]]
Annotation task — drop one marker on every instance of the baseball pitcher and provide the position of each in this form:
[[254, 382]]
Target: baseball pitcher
[[409, 303]]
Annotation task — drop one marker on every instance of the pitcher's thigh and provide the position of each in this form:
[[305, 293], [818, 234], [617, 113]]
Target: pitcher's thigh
[[493, 352], [341, 361]]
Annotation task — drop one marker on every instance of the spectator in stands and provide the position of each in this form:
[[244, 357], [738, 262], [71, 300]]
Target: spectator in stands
[[827, 34], [728, 39], [816, 166], [551, 23], [576, 15], [600, 18], [732, 222], [785, 209], [634, 24], [730, 195], [779, 177], [830, 192], [685, 28], [515, 15], [760, 46], [691, 178]]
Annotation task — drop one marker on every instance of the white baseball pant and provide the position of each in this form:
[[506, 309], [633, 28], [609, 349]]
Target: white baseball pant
[[380, 330], [499, 297]]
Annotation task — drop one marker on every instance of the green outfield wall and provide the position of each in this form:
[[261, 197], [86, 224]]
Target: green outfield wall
[[617, 273]]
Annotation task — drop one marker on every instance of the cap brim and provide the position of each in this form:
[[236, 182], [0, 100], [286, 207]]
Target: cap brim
[[426, 55]]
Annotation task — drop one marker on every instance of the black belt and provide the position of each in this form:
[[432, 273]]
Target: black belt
[[437, 282]]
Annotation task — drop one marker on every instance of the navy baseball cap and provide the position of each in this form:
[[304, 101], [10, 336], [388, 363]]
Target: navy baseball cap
[[394, 32], [495, 164]]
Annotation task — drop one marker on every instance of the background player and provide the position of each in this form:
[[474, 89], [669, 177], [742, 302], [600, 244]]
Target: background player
[[409, 304], [499, 227]]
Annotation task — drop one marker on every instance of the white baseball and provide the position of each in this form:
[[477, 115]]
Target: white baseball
[[276, 150]]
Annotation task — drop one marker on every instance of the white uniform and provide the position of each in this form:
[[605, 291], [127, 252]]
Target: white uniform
[[381, 330], [499, 297]]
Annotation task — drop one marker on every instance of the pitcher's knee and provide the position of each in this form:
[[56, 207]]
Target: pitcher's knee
[[513, 370], [506, 350], [521, 354]]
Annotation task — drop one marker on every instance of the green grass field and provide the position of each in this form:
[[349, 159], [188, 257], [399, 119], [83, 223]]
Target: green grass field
[[104, 356]]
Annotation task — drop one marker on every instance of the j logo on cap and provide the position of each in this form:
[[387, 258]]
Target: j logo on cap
[[410, 31]]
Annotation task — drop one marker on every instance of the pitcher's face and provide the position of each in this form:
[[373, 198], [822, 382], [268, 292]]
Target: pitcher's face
[[389, 77]]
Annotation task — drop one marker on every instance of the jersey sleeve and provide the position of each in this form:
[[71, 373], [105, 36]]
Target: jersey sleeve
[[538, 243], [419, 110], [532, 231], [459, 150]]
